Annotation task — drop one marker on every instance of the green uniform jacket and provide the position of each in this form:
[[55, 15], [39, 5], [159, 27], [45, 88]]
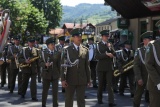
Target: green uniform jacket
[[105, 63], [13, 50], [140, 70], [53, 72], [28, 54], [152, 67], [123, 58], [79, 74]]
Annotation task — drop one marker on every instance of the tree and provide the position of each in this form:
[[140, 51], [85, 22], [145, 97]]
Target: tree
[[52, 11]]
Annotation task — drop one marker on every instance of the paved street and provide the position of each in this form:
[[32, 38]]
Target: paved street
[[14, 100]]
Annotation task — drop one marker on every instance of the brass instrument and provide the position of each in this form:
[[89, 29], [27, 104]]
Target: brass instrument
[[125, 68], [1, 62], [22, 65], [17, 62]]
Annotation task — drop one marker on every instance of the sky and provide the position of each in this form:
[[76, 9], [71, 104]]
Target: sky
[[76, 2]]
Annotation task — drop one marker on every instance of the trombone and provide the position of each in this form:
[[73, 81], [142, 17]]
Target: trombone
[[125, 68]]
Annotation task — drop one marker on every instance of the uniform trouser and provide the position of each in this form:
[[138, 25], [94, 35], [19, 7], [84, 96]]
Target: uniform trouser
[[39, 74], [33, 85], [115, 82], [5, 68], [130, 76], [80, 93], [154, 97], [14, 73], [138, 95], [46, 85], [108, 76], [93, 72]]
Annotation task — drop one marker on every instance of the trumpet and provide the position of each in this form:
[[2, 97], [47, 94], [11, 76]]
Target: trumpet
[[125, 68], [22, 65]]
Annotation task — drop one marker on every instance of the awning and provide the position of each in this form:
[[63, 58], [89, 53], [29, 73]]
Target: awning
[[135, 8]]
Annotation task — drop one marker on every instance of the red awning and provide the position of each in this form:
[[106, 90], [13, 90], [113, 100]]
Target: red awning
[[135, 8]]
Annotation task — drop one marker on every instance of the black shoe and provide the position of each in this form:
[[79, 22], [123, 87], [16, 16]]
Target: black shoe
[[63, 90], [43, 105], [34, 99], [95, 86], [100, 102], [2, 85], [11, 92], [115, 91], [19, 93], [22, 96], [39, 81], [111, 104], [132, 95], [121, 94]]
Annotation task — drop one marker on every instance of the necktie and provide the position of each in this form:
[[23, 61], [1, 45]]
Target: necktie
[[51, 53], [78, 48]]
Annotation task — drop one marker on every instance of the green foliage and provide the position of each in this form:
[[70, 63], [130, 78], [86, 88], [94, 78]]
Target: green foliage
[[52, 11], [24, 17], [93, 13]]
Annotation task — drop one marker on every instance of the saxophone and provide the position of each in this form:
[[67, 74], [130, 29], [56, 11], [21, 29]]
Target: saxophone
[[34, 53], [22, 65]]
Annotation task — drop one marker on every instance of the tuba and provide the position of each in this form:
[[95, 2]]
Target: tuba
[[4, 27], [125, 68]]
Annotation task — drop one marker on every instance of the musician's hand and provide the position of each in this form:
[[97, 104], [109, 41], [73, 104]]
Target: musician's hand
[[110, 55], [140, 82], [89, 84], [15, 56], [28, 61], [47, 64], [64, 84]]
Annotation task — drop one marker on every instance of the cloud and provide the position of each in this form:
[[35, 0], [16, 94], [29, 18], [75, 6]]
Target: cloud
[[76, 2]]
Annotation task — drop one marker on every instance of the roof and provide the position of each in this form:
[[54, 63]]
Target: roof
[[71, 25], [56, 31], [107, 22], [135, 8]]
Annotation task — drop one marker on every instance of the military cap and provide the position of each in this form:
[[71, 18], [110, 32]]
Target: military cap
[[127, 42], [77, 32], [16, 37], [120, 44], [31, 39], [148, 35], [50, 40], [158, 24], [90, 37], [61, 37], [105, 33], [8, 38]]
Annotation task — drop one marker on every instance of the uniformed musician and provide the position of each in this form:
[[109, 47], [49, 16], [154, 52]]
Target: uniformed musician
[[75, 72], [140, 72]]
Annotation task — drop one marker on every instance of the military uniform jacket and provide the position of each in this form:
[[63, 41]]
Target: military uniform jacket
[[124, 57], [28, 54], [152, 66], [78, 74], [53, 71], [105, 63], [59, 48], [140, 70], [13, 50]]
